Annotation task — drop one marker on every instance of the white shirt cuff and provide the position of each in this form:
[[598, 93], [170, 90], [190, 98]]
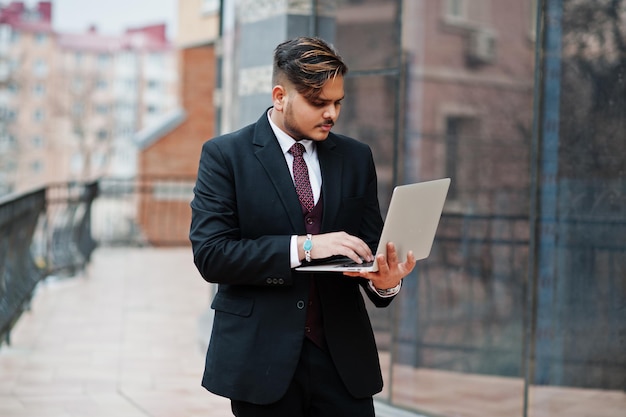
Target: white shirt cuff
[[388, 292], [293, 252]]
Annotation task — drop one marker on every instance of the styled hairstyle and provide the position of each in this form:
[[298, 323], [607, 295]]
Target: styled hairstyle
[[307, 63]]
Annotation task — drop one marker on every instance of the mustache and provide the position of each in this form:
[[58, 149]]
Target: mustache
[[328, 122]]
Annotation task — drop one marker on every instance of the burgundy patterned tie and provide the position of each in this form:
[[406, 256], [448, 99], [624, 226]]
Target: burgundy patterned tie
[[301, 177]]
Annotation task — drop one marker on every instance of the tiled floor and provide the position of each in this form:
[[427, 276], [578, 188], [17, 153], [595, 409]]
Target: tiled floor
[[120, 341], [126, 340], [453, 394]]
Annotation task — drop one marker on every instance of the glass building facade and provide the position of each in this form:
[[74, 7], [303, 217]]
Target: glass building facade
[[520, 310]]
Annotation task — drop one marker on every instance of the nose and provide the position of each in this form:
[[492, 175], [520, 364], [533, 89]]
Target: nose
[[330, 112]]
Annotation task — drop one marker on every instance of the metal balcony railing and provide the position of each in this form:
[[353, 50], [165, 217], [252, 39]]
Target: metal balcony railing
[[52, 231], [42, 233], [470, 307]]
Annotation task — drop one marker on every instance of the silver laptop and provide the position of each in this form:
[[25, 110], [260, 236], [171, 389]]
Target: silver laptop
[[411, 223]]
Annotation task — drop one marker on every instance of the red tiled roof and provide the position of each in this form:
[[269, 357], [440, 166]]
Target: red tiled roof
[[147, 38], [17, 15], [30, 26], [89, 41], [92, 41]]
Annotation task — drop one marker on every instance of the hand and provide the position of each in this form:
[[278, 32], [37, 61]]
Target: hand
[[390, 271], [337, 243]]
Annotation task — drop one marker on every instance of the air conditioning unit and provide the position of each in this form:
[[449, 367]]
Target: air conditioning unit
[[481, 48]]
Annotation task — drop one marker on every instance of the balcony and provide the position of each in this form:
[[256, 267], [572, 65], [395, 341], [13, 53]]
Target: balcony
[[103, 313], [120, 338], [117, 331]]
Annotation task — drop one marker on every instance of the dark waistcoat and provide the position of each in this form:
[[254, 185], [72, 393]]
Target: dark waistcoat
[[314, 327]]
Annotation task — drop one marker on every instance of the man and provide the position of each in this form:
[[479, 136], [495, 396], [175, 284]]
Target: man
[[286, 343]]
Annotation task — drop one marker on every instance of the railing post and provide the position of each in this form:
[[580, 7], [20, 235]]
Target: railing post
[[19, 274]]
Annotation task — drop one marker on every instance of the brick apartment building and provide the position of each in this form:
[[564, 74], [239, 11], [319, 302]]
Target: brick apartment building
[[27, 44], [170, 151], [72, 101]]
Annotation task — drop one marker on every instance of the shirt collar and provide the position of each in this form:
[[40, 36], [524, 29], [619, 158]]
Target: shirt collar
[[284, 140]]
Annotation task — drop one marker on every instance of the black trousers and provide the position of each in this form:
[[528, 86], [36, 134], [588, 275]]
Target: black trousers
[[315, 391]]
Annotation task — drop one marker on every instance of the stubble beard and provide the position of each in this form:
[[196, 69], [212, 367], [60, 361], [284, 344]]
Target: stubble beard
[[292, 128]]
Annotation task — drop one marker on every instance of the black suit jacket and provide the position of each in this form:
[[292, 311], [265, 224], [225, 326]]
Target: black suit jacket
[[244, 211]]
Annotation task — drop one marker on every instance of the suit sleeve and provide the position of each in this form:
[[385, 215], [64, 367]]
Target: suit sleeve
[[220, 252]]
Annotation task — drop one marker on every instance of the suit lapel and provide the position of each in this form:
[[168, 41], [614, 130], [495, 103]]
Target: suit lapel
[[271, 158], [331, 166]]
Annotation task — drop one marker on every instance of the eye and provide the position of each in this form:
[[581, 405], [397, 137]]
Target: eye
[[321, 104]]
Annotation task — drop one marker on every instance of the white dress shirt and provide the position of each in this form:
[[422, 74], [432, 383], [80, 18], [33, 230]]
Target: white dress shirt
[[315, 177], [315, 174]]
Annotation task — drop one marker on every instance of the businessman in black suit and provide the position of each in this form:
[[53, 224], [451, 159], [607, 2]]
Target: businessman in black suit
[[286, 343]]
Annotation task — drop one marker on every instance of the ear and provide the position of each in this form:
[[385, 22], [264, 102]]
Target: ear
[[279, 96]]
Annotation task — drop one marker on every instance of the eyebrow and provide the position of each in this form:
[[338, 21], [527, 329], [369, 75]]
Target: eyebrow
[[327, 100]]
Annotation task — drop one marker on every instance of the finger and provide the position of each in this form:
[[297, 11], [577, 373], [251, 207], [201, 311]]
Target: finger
[[410, 261], [392, 254], [383, 265], [410, 257], [350, 252], [361, 245], [360, 248]]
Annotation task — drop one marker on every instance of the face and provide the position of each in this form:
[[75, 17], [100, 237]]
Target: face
[[304, 119]]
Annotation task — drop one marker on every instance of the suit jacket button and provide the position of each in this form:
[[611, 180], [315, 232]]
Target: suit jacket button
[[269, 280], [300, 305], [281, 281]]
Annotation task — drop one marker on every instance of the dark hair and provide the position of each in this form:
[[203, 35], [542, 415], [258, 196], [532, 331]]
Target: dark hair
[[307, 63]]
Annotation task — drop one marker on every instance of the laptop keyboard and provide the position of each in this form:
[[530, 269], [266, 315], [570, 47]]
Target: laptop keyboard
[[355, 264]]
